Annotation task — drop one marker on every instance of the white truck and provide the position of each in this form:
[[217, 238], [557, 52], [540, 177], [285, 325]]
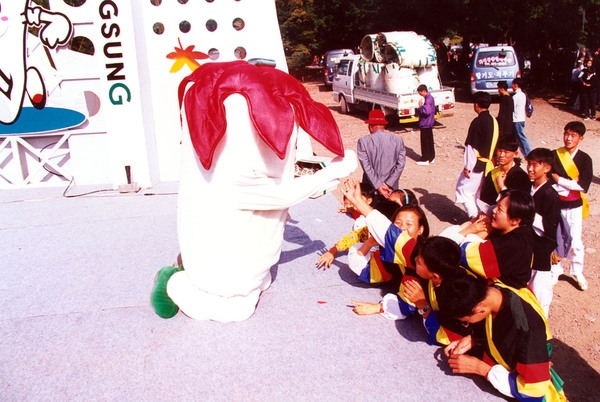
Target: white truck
[[386, 75]]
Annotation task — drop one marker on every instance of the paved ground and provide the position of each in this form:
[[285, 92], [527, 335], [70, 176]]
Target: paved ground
[[77, 323]]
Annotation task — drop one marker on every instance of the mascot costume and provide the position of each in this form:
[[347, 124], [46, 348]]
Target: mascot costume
[[243, 126]]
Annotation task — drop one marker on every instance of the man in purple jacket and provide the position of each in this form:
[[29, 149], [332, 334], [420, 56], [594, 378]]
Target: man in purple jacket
[[426, 121]]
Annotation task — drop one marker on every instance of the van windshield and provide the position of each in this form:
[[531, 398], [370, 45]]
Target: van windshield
[[333, 58], [495, 58]]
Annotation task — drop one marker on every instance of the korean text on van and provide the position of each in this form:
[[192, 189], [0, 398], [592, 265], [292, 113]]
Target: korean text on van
[[492, 64]]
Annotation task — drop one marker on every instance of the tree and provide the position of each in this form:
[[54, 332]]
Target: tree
[[529, 25]]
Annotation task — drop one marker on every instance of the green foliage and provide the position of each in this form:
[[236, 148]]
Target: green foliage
[[315, 26], [300, 57]]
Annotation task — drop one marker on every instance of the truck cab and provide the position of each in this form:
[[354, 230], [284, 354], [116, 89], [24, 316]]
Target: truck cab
[[343, 75]]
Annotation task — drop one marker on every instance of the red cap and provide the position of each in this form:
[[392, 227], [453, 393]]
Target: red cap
[[376, 116]]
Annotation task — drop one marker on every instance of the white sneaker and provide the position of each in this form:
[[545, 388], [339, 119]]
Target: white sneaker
[[581, 281], [424, 163]]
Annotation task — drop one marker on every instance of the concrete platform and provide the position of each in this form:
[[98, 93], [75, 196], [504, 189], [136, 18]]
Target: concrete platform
[[77, 323]]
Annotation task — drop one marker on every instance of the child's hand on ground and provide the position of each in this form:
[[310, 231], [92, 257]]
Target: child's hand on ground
[[364, 308], [458, 347], [325, 260], [465, 364]]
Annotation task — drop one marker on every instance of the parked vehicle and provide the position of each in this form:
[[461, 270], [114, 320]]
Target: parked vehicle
[[386, 76], [492, 64], [332, 57]]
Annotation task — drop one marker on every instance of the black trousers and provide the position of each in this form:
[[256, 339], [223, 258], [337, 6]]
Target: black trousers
[[588, 101], [427, 147]]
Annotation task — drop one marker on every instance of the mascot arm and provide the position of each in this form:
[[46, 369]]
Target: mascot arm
[[264, 193]]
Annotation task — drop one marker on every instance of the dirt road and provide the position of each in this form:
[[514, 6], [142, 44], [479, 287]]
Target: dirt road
[[574, 315]]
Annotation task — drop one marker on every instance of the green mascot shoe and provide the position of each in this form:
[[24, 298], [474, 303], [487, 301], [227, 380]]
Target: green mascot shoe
[[162, 303]]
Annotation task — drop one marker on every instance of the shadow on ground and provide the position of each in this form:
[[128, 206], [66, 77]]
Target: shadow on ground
[[440, 206], [480, 382], [582, 382], [293, 234], [411, 154]]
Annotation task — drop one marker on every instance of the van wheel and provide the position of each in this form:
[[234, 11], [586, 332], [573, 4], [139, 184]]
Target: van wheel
[[345, 106]]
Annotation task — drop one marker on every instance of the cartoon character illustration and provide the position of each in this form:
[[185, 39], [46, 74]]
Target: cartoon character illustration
[[241, 124], [16, 78]]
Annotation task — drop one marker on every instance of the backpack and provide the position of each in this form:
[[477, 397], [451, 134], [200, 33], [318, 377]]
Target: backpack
[[528, 106]]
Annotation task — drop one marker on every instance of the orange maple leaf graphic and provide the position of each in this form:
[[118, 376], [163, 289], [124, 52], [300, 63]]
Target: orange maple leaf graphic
[[185, 57]]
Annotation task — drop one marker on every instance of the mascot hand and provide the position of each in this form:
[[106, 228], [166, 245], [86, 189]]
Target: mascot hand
[[56, 30], [342, 166]]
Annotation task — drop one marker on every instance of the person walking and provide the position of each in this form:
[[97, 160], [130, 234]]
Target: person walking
[[426, 122], [382, 155], [520, 100], [505, 113]]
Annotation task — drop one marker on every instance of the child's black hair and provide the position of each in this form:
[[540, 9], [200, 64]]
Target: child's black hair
[[459, 295], [367, 190], [517, 181], [482, 99], [441, 255], [576, 126], [420, 213], [541, 155], [387, 208], [520, 206], [406, 196]]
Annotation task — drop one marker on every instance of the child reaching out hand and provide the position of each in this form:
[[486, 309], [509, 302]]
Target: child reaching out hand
[[360, 233]]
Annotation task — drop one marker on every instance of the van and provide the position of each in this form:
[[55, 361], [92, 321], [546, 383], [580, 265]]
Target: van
[[332, 57], [491, 64]]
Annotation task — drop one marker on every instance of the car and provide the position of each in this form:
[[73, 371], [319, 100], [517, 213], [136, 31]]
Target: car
[[491, 64], [331, 58]]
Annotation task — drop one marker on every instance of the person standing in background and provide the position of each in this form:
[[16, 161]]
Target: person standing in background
[[505, 114], [426, 122], [520, 100], [588, 90], [572, 174], [480, 146], [382, 155], [576, 87]]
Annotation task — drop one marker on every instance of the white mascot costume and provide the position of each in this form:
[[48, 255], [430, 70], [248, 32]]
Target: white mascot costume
[[241, 125]]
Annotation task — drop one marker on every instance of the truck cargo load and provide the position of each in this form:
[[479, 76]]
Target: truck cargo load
[[386, 74]]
